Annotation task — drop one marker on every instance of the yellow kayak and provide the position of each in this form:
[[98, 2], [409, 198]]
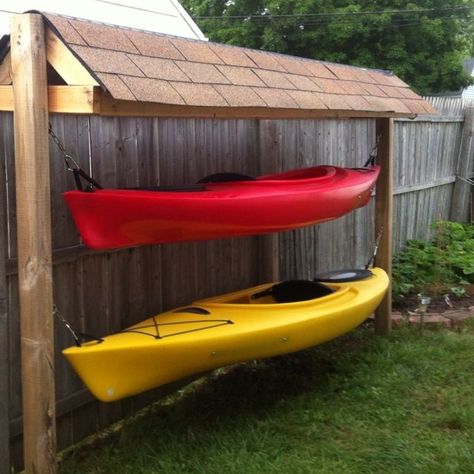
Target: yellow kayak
[[222, 330]]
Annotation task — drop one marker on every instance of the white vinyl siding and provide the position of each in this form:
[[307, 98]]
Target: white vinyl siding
[[161, 16]]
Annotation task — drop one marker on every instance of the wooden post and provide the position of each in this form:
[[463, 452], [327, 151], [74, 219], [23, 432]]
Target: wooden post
[[462, 189], [4, 356], [383, 218], [28, 55]]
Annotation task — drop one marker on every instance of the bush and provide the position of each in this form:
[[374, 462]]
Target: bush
[[446, 260]]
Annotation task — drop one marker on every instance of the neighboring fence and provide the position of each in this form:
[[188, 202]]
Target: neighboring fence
[[104, 291]]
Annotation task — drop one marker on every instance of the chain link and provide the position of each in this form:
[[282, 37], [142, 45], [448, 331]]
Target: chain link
[[61, 318], [71, 164]]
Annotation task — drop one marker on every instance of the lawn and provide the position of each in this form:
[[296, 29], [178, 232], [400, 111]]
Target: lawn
[[360, 404]]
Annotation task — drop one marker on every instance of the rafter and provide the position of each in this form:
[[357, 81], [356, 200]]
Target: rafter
[[65, 63], [6, 71]]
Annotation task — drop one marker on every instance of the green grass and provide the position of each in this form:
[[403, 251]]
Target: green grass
[[360, 404]]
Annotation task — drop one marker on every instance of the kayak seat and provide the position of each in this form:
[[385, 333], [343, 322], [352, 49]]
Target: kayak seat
[[291, 291], [225, 178]]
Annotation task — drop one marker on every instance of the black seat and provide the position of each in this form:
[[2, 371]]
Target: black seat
[[291, 291]]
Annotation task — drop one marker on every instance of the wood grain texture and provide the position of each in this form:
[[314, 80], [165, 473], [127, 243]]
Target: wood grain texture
[[34, 242], [384, 218], [464, 169], [4, 336]]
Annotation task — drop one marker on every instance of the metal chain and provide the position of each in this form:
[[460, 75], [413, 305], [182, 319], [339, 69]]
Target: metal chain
[[61, 318], [374, 153], [71, 164]]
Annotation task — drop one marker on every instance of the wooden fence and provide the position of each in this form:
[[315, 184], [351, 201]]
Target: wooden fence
[[101, 292]]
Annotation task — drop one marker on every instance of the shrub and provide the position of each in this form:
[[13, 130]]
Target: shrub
[[446, 260]]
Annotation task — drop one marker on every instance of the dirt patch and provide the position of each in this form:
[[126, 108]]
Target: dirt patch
[[439, 302]]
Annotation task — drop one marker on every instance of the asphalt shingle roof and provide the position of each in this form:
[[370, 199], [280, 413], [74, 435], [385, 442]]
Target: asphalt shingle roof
[[141, 66]]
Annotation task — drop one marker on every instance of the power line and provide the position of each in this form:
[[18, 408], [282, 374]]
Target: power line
[[394, 21], [328, 16]]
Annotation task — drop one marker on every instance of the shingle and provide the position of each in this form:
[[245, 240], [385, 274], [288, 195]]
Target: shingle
[[202, 73], [293, 65], [418, 106], [265, 60], [393, 91], [376, 104], [102, 60], [330, 86], [308, 100], [363, 75], [277, 98], [386, 78], [356, 102], [319, 69], [408, 93], [158, 68], [374, 90], [335, 102], [352, 87], [239, 96], [199, 94], [303, 83], [65, 29], [394, 105], [274, 79], [198, 51], [395, 81], [346, 73], [117, 88], [242, 76], [232, 56], [386, 104], [155, 45], [152, 90], [103, 36]]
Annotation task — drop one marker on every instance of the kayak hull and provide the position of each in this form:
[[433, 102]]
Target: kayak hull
[[226, 329], [117, 218]]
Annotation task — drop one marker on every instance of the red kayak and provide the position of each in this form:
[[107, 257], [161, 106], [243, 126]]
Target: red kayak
[[116, 218]]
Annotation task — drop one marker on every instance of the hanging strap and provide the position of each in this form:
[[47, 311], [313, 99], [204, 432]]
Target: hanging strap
[[79, 338], [71, 165]]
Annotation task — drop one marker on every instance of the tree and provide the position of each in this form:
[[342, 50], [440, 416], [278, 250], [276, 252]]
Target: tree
[[423, 42]]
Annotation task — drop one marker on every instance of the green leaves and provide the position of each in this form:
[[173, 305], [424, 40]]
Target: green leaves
[[447, 260]]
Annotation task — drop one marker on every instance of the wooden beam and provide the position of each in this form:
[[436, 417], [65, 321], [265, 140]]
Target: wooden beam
[[61, 99], [462, 188], [30, 95], [112, 107], [4, 329], [384, 218], [5, 70], [65, 63]]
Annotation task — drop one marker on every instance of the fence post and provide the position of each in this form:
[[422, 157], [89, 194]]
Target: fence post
[[465, 166], [384, 218], [30, 93], [4, 357]]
